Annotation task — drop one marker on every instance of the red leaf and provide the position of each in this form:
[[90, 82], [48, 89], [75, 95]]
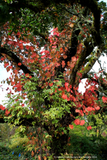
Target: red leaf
[[104, 99], [97, 108], [7, 112], [77, 121], [2, 58], [27, 47], [32, 154], [18, 86], [21, 46], [27, 75], [64, 96], [2, 108], [72, 98], [50, 84], [16, 71], [63, 64], [22, 105], [89, 108], [18, 33], [6, 64], [71, 126], [67, 87], [10, 67], [30, 76], [82, 122], [89, 127], [12, 83], [31, 48], [33, 55], [19, 64], [10, 42], [74, 59]]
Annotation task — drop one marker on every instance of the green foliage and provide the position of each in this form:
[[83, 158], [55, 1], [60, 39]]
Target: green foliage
[[4, 12], [16, 140], [7, 153], [2, 112], [98, 123], [18, 112], [3, 147], [53, 111], [4, 132], [82, 142]]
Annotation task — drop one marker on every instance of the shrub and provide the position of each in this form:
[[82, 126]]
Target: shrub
[[17, 141]]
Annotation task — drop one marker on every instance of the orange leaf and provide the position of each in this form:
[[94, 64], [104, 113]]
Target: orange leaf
[[39, 157], [74, 59], [19, 64], [82, 122], [71, 126], [6, 64], [89, 127], [104, 99], [64, 56], [63, 64], [32, 153], [77, 121]]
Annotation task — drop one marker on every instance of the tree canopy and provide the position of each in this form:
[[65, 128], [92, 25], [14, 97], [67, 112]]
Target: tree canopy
[[50, 47]]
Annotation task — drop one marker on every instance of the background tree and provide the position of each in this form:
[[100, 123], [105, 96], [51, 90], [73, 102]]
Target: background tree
[[73, 37]]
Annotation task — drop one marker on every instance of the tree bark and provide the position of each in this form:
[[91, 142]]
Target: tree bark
[[58, 145]]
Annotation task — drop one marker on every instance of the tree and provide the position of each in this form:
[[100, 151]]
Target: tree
[[73, 37]]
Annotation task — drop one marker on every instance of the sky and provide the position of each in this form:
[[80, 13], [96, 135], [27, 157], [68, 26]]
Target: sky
[[4, 75], [103, 1]]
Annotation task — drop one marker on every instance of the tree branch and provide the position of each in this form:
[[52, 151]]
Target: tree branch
[[91, 62], [14, 58], [87, 50]]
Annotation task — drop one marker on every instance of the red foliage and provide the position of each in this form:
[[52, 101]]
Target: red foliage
[[82, 122], [7, 112], [18, 87], [32, 153], [2, 108], [71, 126], [19, 64], [46, 63], [89, 127], [104, 99], [77, 121]]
